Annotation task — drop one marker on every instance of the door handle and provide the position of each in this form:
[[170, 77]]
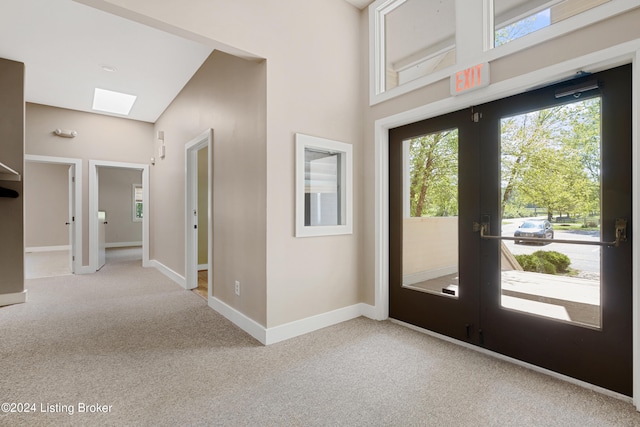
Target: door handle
[[620, 230]]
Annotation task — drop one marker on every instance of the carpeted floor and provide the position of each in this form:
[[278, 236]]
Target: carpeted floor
[[157, 355]]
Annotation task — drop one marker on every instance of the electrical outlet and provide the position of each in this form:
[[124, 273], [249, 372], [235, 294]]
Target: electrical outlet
[[238, 287]]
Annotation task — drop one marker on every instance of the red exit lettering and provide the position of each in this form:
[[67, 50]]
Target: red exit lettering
[[470, 78]]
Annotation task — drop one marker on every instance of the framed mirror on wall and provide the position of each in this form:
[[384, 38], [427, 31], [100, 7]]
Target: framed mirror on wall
[[324, 198]]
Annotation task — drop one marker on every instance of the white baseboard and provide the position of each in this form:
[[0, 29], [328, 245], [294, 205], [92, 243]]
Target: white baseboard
[[14, 298], [48, 248], [203, 267], [122, 244], [422, 276], [179, 279], [313, 323], [290, 330], [85, 269], [244, 322], [276, 334]]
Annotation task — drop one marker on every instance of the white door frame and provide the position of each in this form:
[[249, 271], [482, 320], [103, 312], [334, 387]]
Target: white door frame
[[593, 62], [93, 208], [76, 224], [191, 149]]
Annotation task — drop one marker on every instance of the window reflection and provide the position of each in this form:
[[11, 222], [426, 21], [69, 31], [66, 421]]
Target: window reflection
[[419, 40]]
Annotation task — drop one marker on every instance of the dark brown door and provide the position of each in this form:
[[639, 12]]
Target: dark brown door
[[548, 175]]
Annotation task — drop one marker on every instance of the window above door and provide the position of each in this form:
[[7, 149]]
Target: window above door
[[414, 43]]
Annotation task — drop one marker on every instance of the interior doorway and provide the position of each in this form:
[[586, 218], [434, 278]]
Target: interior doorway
[[53, 220], [130, 185], [120, 214], [547, 157], [198, 214]]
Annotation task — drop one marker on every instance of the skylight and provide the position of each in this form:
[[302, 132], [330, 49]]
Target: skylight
[[113, 102]]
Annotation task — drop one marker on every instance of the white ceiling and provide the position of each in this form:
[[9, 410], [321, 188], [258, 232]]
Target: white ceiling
[[64, 46]]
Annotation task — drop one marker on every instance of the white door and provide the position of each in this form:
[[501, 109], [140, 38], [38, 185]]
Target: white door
[[102, 247], [71, 222]]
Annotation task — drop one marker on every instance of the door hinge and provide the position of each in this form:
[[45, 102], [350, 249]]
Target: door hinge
[[475, 115], [73, 179], [73, 218], [73, 258]]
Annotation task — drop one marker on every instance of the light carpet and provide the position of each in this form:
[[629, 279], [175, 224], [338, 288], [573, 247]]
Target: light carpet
[[157, 355]]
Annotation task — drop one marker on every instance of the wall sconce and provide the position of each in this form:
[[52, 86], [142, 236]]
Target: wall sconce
[[66, 133]]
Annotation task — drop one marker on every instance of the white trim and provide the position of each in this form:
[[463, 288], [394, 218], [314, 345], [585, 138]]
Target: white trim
[[85, 269], [13, 298], [379, 8], [48, 248], [76, 245], [635, 233], [268, 336], [123, 244], [191, 148], [202, 267], [593, 62], [171, 274], [346, 186], [314, 323], [93, 208], [517, 362], [239, 319]]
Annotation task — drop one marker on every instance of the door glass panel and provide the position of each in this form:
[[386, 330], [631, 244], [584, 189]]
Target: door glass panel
[[550, 189], [517, 18], [430, 220]]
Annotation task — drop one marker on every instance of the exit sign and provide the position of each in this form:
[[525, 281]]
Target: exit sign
[[469, 79]]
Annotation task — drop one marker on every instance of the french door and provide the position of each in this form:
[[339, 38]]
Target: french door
[[509, 227]]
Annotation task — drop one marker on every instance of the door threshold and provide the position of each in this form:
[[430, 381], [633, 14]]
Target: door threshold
[[517, 362]]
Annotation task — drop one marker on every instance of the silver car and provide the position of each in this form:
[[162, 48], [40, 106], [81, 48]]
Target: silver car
[[536, 228]]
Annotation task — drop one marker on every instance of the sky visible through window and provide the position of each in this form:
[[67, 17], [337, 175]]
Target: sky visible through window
[[522, 27]]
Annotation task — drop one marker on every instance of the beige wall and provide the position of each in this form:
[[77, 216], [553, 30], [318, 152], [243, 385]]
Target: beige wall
[[227, 94], [312, 53], [46, 204], [203, 189], [99, 137], [116, 199], [12, 155]]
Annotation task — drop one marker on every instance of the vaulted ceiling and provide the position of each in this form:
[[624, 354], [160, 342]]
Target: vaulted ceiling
[[70, 49]]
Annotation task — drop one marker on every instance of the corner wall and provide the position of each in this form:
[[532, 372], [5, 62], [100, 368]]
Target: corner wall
[[226, 94], [312, 50], [12, 155]]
